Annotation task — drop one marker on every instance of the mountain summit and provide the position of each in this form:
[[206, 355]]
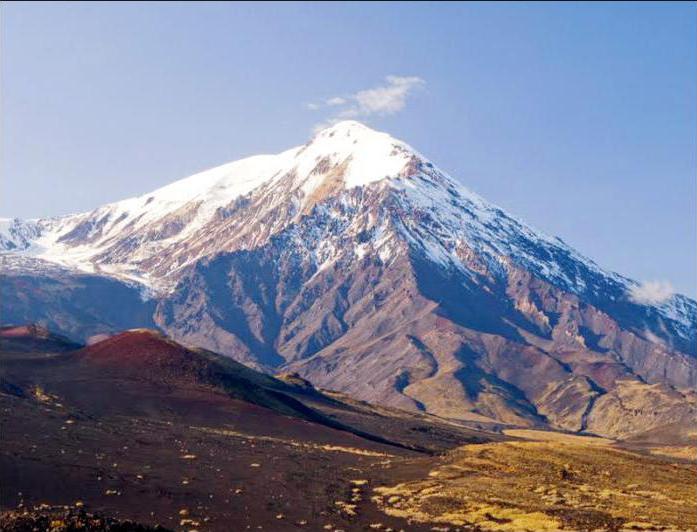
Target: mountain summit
[[344, 156], [355, 262]]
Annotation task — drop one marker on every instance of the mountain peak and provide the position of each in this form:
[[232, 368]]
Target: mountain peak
[[353, 132], [348, 127], [354, 153], [350, 136]]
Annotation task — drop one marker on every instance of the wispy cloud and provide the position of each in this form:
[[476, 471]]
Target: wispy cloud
[[386, 99], [651, 292]]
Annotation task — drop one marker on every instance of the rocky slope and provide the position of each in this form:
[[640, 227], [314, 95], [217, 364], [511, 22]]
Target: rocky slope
[[356, 262], [137, 427]]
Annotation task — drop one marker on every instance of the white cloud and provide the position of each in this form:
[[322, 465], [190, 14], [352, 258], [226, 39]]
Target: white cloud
[[651, 292], [386, 99], [337, 100], [329, 102]]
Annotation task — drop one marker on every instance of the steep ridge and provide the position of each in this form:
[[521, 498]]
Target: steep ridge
[[356, 262]]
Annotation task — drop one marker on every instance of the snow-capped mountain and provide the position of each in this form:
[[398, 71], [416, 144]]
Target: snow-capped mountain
[[125, 238], [354, 260]]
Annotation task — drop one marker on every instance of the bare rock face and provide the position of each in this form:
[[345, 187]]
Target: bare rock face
[[357, 264], [404, 330]]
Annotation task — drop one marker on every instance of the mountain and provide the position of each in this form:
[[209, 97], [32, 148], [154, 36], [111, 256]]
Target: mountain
[[356, 263]]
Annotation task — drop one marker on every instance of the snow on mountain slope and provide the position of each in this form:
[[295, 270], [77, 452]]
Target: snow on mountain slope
[[355, 261], [18, 234], [176, 211], [156, 237], [74, 240]]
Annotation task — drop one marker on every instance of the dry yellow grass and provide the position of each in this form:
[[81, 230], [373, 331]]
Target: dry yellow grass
[[684, 452], [294, 443], [41, 396], [558, 437], [562, 483]]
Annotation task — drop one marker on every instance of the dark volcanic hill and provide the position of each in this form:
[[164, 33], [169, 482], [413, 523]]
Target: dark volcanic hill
[[355, 262], [148, 368], [139, 427]]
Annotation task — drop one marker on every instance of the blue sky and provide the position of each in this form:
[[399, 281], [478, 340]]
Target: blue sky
[[578, 118]]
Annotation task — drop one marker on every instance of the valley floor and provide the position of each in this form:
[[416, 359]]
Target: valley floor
[[251, 475], [546, 482], [195, 477]]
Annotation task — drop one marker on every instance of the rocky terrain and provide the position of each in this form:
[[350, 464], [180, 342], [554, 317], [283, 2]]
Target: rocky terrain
[[355, 262], [67, 519], [137, 432]]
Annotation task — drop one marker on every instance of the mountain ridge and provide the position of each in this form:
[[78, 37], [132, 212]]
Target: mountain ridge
[[355, 262]]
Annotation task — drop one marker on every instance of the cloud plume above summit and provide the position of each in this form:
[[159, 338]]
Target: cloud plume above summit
[[386, 99]]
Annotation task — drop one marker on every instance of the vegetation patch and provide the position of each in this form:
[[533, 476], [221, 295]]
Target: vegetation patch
[[554, 483]]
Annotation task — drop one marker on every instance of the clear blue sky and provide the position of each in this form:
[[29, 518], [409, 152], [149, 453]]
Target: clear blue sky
[[579, 118]]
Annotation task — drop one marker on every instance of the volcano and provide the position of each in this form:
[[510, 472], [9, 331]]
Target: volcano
[[356, 263]]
